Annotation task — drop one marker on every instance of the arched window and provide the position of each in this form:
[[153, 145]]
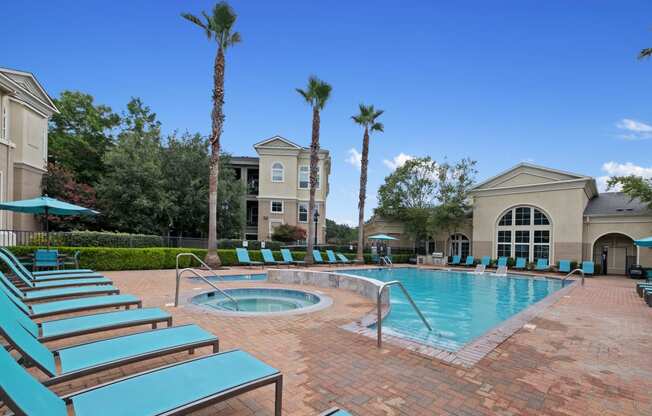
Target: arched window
[[524, 232], [459, 245], [278, 172]]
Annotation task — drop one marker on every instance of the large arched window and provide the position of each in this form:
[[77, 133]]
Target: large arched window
[[524, 232], [278, 172], [458, 245]]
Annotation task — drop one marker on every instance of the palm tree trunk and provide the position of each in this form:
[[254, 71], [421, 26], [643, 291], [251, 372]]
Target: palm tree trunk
[[364, 162], [314, 159], [217, 116]]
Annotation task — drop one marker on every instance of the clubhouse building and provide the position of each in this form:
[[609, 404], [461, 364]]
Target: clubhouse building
[[537, 212]]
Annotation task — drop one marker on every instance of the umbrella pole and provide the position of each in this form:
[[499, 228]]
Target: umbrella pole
[[47, 227]]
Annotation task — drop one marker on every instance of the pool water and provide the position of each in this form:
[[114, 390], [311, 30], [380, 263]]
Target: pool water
[[459, 306], [258, 300]]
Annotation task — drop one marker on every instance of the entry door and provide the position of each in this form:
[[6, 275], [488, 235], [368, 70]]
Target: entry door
[[617, 260]]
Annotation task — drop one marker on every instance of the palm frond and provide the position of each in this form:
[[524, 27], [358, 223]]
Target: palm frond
[[235, 38], [645, 53], [377, 127], [358, 119], [305, 95], [194, 19]]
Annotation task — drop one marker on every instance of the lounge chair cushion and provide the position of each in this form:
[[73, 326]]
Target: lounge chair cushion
[[101, 320], [60, 306], [68, 291], [520, 263], [26, 392], [564, 266], [171, 387], [82, 356], [72, 282]]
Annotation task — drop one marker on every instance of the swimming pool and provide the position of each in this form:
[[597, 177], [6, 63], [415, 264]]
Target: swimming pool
[[237, 277], [459, 306]]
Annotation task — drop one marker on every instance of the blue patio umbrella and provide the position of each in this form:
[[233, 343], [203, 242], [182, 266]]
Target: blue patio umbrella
[[644, 242], [381, 237], [46, 206]]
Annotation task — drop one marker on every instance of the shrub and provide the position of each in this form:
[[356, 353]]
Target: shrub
[[97, 239], [288, 233]]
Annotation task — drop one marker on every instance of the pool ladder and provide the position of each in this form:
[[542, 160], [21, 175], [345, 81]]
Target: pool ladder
[[379, 321], [201, 276], [570, 274]]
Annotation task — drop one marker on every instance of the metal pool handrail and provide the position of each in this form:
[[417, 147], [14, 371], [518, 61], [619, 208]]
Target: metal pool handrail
[[199, 275], [379, 322], [569, 275]]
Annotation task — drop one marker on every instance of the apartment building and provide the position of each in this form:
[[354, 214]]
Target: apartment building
[[277, 184], [25, 108]]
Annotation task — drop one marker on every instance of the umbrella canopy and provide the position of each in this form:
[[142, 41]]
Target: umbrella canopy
[[45, 205], [381, 237], [644, 242]]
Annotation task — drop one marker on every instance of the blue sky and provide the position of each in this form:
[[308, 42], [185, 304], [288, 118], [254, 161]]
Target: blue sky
[[555, 83]]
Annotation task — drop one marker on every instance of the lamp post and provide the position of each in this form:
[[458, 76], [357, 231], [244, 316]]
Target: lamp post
[[316, 219]]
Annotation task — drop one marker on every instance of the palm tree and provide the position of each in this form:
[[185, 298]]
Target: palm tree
[[367, 119], [645, 53], [316, 95], [219, 27]]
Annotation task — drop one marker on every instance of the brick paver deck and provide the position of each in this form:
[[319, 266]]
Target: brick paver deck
[[587, 354]]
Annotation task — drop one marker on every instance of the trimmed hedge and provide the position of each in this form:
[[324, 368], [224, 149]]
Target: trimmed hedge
[[153, 258], [98, 239]]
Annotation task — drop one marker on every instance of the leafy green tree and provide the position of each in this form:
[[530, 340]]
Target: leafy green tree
[[288, 233], [140, 119], [453, 185], [635, 187], [340, 233], [316, 95], [218, 26], [131, 195], [80, 134], [230, 201], [367, 118], [58, 182]]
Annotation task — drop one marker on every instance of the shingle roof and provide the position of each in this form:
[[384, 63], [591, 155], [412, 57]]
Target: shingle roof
[[616, 203]]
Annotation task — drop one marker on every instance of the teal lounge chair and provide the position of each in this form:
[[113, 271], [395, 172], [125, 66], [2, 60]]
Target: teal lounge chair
[[564, 266], [542, 265], [588, 267], [316, 255], [19, 269], [502, 262], [345, 260], [46, 259], [331, 257], [456, 260], [85, 324], [42, 309], [79, 360], [31, 284], [175, 389], [287, 256], [268, 257], [521, 263], [335, 412], [469, 261], [243, 258], [486, 261], [54, 293]]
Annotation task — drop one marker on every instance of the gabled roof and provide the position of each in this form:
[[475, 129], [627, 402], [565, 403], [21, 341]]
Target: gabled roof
[[556, 174], [27, 83], [278, 141], [615, 204]]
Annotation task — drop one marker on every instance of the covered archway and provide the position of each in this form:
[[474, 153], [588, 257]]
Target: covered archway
[[616, 251]]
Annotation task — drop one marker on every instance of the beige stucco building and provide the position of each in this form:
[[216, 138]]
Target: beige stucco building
[[277, 184], [25, 108], [536, 212]]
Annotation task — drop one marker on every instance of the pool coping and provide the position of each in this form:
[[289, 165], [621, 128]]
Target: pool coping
[[325, 301], [475, 350]]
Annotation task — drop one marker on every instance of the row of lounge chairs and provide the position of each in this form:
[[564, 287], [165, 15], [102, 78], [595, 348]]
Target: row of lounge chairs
[[174, 389], [287, 259], [521, 264]]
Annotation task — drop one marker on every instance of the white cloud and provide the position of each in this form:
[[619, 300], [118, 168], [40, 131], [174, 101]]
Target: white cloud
[[354, 158], [634, 130], [398, 161], [621, 169]]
